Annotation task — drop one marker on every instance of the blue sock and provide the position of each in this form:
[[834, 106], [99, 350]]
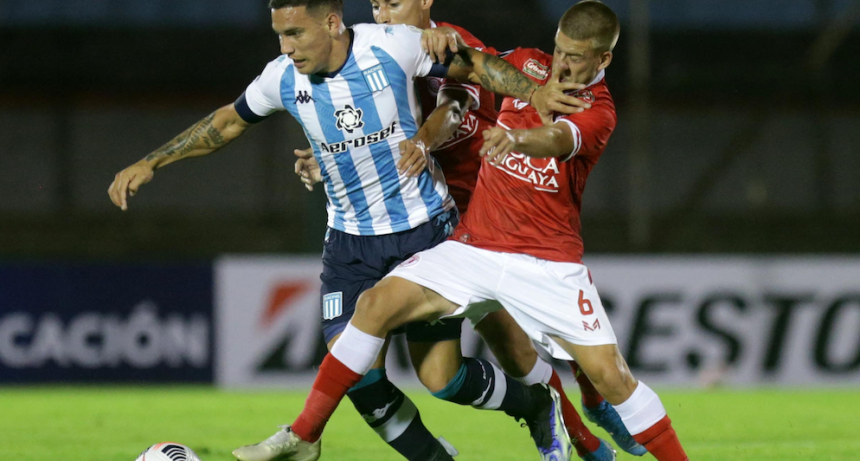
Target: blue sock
[[483, 385], [395, 418]]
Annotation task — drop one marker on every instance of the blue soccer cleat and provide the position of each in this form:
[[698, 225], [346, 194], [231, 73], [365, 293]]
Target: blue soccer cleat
[[605, 416], [604, 452], [546, 425]]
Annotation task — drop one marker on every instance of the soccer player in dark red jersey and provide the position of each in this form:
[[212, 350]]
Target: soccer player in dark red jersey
[[520, 244]]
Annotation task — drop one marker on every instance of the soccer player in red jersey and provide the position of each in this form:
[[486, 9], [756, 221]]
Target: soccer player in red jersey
[[519, 244], [456, 114]]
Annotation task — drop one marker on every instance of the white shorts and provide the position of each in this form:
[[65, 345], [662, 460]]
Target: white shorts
[[545, 298]]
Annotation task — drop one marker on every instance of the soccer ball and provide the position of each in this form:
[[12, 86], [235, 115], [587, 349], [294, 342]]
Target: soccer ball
[[168, 451]]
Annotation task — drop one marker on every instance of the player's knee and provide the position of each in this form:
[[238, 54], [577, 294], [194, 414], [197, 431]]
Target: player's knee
[[433, 380], [612, 380], [515, 359], [371, 305]]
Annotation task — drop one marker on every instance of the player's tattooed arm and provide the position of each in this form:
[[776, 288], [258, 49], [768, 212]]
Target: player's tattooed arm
[[546, 141], [204, 137], [452, 104], [499, 76]]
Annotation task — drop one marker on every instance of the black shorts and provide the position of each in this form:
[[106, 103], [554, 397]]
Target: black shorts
[[354, 263]]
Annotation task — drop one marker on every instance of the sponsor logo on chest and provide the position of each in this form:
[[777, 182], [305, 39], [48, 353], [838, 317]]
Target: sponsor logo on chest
[[543, 174], [536, 69]]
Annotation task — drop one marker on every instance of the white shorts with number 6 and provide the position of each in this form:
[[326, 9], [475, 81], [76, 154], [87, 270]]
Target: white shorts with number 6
[[546, 298]]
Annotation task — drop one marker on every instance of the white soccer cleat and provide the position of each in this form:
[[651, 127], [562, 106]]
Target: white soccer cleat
[[285, 445]]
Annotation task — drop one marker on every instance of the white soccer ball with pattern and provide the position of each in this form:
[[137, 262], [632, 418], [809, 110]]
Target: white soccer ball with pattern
[[168, 451]]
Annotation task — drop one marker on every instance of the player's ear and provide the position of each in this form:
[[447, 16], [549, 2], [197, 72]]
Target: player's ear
[[426, 4], [605, 60], [334, 24]]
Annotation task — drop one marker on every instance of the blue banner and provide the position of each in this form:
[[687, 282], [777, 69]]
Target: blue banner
[[132, 323]]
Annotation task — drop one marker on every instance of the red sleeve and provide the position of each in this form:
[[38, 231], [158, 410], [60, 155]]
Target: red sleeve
[[590, 129], [450, 84], [516, 56]]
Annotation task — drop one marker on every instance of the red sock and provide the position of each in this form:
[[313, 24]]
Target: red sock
[[583, 440], [590, 397], [661, 441], [331, 384]]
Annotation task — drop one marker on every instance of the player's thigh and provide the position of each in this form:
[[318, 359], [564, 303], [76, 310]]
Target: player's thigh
[[380, 360], [436, 363], [394, 302], [508, 342]]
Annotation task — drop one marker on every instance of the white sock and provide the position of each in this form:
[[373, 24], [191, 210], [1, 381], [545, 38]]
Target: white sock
[[541, 373], [357, 349], [642, 410]]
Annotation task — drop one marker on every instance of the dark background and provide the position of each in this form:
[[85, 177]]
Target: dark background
[[739, 127]]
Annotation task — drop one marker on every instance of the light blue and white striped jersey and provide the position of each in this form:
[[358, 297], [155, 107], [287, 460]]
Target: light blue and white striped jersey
[[355, 119]]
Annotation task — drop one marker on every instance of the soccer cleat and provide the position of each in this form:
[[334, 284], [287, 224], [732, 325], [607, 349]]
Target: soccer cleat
[[605, 416], [604, 452], [285, 445], [547, 428]]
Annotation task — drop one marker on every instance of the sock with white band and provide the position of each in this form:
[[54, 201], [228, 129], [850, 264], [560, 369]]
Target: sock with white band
[[642, 410], [357, 350], [541, 373]]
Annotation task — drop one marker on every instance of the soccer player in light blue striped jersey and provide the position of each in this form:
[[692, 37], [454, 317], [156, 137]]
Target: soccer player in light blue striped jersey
[[352, 91]]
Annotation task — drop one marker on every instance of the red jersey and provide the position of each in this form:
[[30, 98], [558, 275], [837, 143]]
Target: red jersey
[[458, 157], [531, 205]]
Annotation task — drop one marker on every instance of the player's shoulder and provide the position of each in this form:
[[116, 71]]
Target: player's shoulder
[[470, 39], [530, 61], [377, 34], [275, 69]]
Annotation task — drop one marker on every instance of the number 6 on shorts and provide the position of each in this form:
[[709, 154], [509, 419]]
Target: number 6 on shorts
[[585, 305]]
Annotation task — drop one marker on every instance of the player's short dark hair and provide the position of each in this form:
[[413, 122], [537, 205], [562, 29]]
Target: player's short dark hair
[[313, 6], [591, 20]]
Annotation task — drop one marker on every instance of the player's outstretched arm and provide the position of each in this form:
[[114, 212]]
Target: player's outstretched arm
[[452, 105], [202, 138], [546, 141], [499, 76]]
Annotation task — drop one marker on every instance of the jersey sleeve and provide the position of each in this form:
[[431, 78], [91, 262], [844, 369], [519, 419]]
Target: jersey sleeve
[[403, 43], [263, 95], [590, 129]]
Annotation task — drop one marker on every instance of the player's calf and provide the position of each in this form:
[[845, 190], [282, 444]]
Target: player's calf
[[638, 406], [393, 416]]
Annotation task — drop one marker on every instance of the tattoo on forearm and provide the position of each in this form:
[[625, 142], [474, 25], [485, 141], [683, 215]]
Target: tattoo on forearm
[[501, 77], [202, 132]]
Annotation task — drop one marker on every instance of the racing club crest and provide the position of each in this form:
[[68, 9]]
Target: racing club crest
[[349, 119]]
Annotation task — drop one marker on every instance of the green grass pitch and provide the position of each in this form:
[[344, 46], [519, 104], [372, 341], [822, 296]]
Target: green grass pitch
[[116, 423]]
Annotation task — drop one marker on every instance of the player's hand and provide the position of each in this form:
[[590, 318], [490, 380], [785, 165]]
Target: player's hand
[[550, 98], [413, 158], [498, 143], [307, 168], [438, 40], [127, 182]]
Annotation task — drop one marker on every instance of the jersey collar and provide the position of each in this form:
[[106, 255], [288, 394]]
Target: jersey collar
[[597, 79]]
